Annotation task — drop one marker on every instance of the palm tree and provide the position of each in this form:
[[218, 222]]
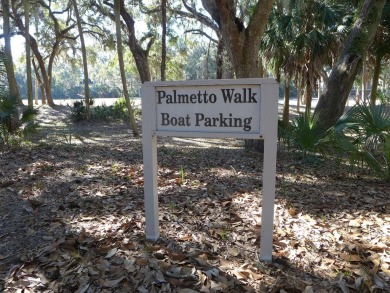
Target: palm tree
[[300, 39], [320, 27], [276, 46]]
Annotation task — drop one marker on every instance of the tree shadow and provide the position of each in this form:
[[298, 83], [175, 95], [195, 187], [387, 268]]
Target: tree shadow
[[209, 218]]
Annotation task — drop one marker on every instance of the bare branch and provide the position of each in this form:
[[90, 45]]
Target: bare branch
[[200, 32]]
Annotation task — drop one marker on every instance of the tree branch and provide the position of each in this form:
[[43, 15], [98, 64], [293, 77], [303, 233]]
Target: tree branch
[[193, 13], [200, 32]]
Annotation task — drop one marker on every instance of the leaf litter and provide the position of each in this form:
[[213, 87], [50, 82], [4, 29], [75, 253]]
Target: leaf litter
[[72, 220]]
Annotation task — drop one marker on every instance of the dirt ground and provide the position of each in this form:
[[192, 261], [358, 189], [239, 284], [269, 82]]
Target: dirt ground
[[72, 217]]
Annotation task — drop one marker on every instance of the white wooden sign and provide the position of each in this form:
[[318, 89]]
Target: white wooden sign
[[238, 108]]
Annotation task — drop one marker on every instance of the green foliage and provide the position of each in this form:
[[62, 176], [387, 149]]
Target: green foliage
[[384, 97], [104, 113], [284, 134], [115, 112], [306, 133], [14, 127], [364, 133], [362, 136], [121, 109], [78, 111]]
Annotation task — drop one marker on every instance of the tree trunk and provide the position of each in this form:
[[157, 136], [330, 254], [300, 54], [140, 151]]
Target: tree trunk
[[332, 102], [85, 62], [40, 83], [299, 96], [37, 81], [219, 62], [41, 63], [261, 68], [375, 80], [358, 95], [163, 38], [117, 12], [308, 98], [364, 81], [140, 55], [8, 62], [242, 43], [286, 108], [28, 54]]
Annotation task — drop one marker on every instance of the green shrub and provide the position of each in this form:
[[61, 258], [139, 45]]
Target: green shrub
[[13, 126], [118, 111], [284, 134], [103, 113], [384, 97], [121, 108], [78, 111], [363, 133], [306, 133]]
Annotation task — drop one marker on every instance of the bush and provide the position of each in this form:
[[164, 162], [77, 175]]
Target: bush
[[121, 108], [103, 113], [384, 97], [363, 133], [15, 127], [306, 133], [118, 111], [78, 111]]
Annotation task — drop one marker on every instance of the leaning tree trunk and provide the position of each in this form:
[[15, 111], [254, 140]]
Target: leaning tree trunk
[[332, 102], [85, 62], [117, 11], [9, 66]]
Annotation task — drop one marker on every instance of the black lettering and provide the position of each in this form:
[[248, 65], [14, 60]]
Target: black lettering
[[247, 124], [212, 98], [227, 95], [160, 95], [182, 99], [199, 99], [198, 118], [193, 98], [222, 121], [237, 122], [252, 96], [173, 121], [165, 119], [238, 98]]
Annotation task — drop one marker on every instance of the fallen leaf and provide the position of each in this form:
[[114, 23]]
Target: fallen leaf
[[112, 283], [111, 252], [233, 251], [350, 257], [129, 265]]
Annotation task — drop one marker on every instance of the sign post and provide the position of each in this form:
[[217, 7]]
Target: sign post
[[238, 108]]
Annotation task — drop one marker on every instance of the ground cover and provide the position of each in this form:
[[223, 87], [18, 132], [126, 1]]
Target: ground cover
[[72, 217]]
